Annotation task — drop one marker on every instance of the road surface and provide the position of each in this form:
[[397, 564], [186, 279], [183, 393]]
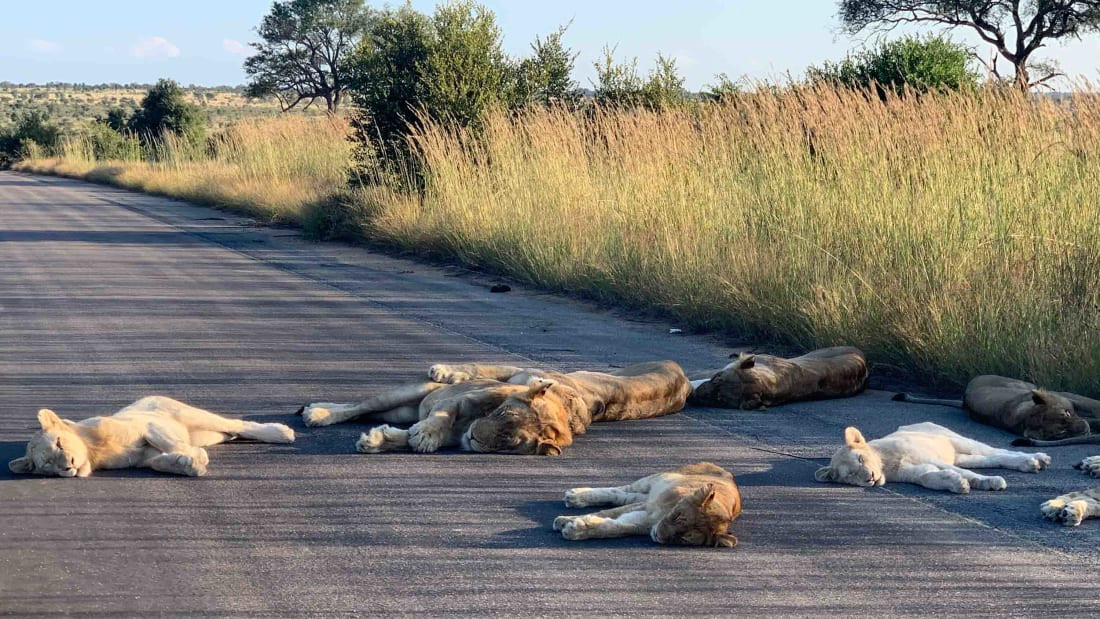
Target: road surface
[[106, 296]]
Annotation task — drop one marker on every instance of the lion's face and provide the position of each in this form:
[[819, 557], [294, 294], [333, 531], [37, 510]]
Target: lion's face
[[856, 463], [696, 520], [55, 450], [729, 387], [1053, 418], [534, 422]]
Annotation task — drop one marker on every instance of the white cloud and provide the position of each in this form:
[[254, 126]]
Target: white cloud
[[234, 47], [41, 46], [154, 47]]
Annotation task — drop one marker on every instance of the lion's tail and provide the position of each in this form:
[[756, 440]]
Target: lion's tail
[[906, 397], [1088, 439]]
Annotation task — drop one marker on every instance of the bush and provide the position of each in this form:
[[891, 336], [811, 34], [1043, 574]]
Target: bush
[[921, 64], [163, 109], [32, 133], [619, 85]]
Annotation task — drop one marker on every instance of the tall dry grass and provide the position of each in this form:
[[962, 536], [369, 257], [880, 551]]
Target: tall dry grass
[[270, 168], [951, 235]]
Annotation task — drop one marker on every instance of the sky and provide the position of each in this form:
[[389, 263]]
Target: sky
[[205, 41]]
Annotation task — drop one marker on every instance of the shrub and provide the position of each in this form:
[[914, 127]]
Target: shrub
[[921, 64]]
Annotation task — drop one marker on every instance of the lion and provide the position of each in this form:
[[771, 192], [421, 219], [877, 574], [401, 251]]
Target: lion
[[507, 409], [1043, 418], [757, 381], [693, 505], [154, 432], [925, 454], [1072, 508]]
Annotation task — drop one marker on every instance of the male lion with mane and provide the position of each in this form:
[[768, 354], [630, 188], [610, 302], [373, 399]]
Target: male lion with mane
[[925, 454], [1044, 418], [508, 409], [689, 506], [758, 381], [154, 432]]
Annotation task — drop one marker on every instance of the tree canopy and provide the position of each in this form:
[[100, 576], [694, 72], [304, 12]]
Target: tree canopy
[[1015, 28]]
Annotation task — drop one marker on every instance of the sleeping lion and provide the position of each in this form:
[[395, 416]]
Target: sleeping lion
[[689, 506], [154, 432], [925, 454], [507, 409], [757, 381], [1072, 508], [1044, 418]]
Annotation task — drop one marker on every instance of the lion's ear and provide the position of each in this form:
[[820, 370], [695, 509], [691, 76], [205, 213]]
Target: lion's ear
[[745, 361], [539, 387], [1039, 397], [546, 448], [725, 540], [705, 495], [21, 465], [853, 437], [824, 473], [49, 420]]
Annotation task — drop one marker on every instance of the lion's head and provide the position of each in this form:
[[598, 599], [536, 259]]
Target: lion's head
[[54, 450], [856, 463], [1052, 418], [731, 387], [696, 520], [536, 421]]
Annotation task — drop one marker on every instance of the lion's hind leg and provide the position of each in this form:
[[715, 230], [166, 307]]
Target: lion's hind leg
[[328, 413], [209, 424], [1073, 508], [587, 497], [1004, 459]]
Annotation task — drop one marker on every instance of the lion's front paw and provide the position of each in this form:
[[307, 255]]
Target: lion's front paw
[[561, 521], [1052, 509], [575, 497], [989, 483], [442, 373], [959, 485], [575, 529], [281, 433], [426, 436], [1044, 460], [371, 442], [1034, 464], [1073, 513], [191, 466], [201, 457], [1090, 466], [317, 414]]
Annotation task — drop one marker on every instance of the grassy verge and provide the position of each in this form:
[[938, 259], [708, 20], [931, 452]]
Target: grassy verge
[[951, 235]]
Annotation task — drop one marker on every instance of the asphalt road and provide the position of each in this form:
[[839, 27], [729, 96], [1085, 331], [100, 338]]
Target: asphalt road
[[106, 296]]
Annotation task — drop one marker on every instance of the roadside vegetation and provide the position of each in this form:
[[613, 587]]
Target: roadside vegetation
[[946, 226]]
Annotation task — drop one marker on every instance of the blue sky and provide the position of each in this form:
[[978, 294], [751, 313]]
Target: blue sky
[[204, 41]]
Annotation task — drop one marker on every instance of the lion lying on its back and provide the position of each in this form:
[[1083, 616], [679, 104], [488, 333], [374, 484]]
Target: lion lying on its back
[[756, 381], [507, 409], [154, 432]]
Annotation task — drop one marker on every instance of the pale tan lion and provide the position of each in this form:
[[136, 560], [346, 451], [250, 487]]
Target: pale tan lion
[[154, 432], [925, 454], [1072, 508], [689, 506], [756, 381], [507, 409], [1044, 418]]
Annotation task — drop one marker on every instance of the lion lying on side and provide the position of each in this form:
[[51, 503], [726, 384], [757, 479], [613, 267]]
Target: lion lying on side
[[689, 506], [756, 381], [1072, 508], [506, 409], [1043, 418], [925, 454], [154, 432]]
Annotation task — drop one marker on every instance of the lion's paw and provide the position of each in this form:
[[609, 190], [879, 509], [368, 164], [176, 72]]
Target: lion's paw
[[561, 521], [371, 442], [1034, 463], [575, 497], [190, 466], [280, 433], [959, 485], [1044, 460], [575, 529], [990, 483], [425, 437], [1090, 466], [317, 414], [1073, 513], [201, 457], [1052, 509], [442, 373]]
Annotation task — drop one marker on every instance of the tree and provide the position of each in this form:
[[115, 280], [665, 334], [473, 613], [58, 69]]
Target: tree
[[1015, 28], [664, 88], [922, 64], [546, 75], [387, 81], [305, 50], [723, 88], [617, 84], [466, 71], [164, 109]]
